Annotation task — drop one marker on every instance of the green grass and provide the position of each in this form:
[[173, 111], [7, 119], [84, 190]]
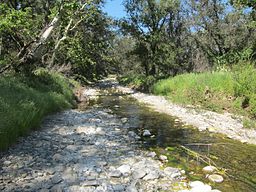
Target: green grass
[[233, 91], [25, 101]]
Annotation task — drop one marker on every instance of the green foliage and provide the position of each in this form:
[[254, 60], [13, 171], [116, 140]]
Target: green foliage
[[234, 91], [233, 57], [242, 3], [245, 80], [156, 27], [245, 86], [12, 20], [206, 89], [25, 101]]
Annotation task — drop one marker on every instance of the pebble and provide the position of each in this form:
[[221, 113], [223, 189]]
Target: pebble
[[172, 172], [124, 120], [115, 173], [151, 154], [198, 186], [215, 178], [90, 183], [124, 169], [146, 133], [118, 188], [209, 169], [163, 158], [152, 175], [56, 179], [139, 174], [7, 163], [57, 188]]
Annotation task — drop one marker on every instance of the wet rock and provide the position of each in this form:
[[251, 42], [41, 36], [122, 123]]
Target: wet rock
[[56, 179], [132, 187], [115, 173], [215, 178], [138, 174], [7, 163], [57, 188], [57, 157], [132, 134], [125, 169], [118, 188], [172, 172], [195, 184], [151, 154], [146, 133], [209, 169], [91, 183], [43, 190], [152, 175], [124, 120], [198, 186], [163, 158], [71, 148]]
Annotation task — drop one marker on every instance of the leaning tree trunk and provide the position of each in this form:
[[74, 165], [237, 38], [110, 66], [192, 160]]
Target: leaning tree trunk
[[70, 27]]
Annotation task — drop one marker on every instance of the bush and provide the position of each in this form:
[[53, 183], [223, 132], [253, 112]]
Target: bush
[[25, 101]]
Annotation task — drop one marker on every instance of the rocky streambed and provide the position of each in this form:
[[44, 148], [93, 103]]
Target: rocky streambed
[[84, 150], [227, 124], [103, 147]]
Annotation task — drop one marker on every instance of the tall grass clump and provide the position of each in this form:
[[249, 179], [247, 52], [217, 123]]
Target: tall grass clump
[[245, 87], [233, 91], [198, 89], [24, 101]]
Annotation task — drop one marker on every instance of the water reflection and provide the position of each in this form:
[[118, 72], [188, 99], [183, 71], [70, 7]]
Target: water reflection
[[239, 159]]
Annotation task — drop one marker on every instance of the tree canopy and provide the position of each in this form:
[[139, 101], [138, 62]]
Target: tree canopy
[[158, 38]]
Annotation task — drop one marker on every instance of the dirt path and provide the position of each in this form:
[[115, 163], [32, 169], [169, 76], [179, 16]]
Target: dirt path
[[202, 119]]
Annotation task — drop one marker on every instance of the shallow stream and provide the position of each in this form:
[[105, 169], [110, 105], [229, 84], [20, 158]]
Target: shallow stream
[[237, 159]]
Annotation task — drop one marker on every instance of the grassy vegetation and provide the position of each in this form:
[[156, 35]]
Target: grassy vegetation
[[25, 101], [233, 91]]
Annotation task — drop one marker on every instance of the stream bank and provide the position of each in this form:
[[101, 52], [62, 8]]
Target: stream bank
[[103, 147], [87, 150], [204, 120]]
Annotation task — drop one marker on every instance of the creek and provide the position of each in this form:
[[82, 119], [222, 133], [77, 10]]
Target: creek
[[168, 135]]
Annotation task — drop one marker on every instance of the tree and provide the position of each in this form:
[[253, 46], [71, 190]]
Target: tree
[[54, 33], [158, 29], [219, 31]]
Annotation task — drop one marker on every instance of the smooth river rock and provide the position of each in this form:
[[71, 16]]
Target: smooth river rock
[[146, 133], [209, 169], [216, 178], [198, 186]]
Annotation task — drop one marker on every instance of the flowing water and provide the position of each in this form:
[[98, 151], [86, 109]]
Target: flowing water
[[238, 160]]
